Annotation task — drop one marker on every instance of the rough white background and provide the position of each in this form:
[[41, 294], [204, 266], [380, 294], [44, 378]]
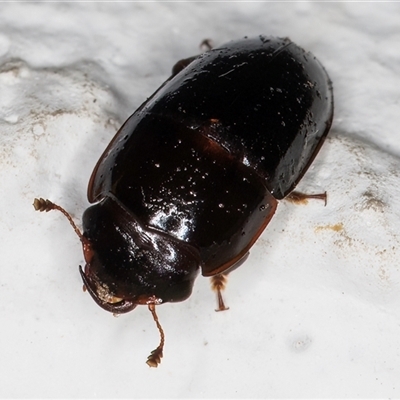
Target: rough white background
[[314, 312]]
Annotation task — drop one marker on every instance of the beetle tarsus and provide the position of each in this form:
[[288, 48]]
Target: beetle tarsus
[[302, 198], [218, 283], [155, 356]]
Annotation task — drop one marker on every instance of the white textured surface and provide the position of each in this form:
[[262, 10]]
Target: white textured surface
[[314, 312]]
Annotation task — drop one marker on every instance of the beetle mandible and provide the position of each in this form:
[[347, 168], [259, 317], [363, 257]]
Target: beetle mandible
[[194, 176]]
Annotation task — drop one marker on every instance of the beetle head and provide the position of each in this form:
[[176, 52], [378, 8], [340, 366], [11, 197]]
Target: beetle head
[[127, 264]]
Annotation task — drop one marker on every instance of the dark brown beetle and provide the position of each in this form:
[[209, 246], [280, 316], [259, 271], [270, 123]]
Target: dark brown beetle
[[192, 178]]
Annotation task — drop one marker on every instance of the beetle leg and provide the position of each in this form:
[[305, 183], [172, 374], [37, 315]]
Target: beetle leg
[[206, 45], [181, 64], [301, 198], [155, 356], [218, 283]]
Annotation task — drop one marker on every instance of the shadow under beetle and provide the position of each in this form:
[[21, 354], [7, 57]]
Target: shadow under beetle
[[192, 178]]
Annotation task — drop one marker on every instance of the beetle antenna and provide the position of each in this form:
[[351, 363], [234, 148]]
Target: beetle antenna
[[155, 356], [46, 205]]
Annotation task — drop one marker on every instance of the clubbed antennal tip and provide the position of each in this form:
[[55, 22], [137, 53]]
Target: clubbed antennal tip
[[154, 359], [43, 205]]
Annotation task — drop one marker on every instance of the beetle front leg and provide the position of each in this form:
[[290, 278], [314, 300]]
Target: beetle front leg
[[218, 283]]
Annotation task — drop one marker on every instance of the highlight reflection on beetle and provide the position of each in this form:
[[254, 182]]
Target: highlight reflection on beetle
[[194, 176]]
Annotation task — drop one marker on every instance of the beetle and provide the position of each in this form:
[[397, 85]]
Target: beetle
[[194, 175]]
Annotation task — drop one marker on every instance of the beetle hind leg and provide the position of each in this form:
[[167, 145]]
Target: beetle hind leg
[[218, 283], [302, 198]]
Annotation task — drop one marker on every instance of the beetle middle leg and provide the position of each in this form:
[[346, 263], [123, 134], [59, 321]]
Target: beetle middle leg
[[218, 283]]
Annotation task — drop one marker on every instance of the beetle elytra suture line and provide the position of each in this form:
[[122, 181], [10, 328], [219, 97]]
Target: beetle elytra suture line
[[194, 176]]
